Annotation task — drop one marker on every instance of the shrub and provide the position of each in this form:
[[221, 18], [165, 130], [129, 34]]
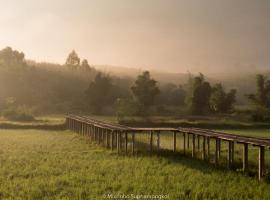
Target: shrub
[[20, 113]]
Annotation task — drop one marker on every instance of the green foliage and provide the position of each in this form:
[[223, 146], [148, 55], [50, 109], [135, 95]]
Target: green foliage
[[171, 95], [11, 58], [220, 101], [261, 99], [99, 92], [126, 107], [73, 60], [200, 91], [145, 91], [17, 113]]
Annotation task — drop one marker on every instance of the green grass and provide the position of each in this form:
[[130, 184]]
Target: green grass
[[37, 164]]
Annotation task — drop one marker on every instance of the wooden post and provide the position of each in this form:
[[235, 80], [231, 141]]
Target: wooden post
[[107, 138], [133, 143], [229, 154], [245, 157], [126, 142], [208, 148], [219, 148], [184, 143], [118, 142], [99, 135], [198, 143], [174, 141], [204, 151], [216, 153], [193, 146], [232, 152], [261, 162], [158, 140], [188, 140], [112, 140], [151, 141]]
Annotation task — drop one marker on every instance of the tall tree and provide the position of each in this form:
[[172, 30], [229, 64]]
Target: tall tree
[[200, 95], [99, 92], [145, 91], [73, 60], [220, 101], [85, 65]]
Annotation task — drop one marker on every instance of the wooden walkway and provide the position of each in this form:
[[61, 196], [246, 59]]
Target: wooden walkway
[[116, 137]]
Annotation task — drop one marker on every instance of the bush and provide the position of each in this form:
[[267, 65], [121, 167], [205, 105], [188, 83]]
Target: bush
[[20, 113]]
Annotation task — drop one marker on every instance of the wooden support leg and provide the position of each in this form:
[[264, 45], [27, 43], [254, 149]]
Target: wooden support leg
[[232, 152], [118, 142], [219, 148], [126, 142], [158, 140], [193, 146], [208, 148], [216, 152], [229, 159], [112, 140], [188, 140], [151, 141], [198, 143], [174, 141], [204, 150], [184, 143], [133, 143], [99, 135], [245, 157], [261, 162]]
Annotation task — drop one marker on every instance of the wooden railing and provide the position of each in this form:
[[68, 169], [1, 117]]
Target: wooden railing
[[115, 136]]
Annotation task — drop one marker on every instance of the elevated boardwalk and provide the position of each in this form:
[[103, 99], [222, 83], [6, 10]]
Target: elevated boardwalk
[[115, 136]]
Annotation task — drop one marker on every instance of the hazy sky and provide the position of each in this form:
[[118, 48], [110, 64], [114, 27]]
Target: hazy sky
[[168, 35]]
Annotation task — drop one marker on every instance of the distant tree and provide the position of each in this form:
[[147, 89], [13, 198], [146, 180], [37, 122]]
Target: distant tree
[[261, 99], [220, 101], [99, 92], [262, 96], [73, 60], [85, 65], [145, 91], [200, 95], [126, 107], [172, 95], [11, 58]]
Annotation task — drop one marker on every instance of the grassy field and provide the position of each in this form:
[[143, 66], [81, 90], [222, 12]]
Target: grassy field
[[37, 164]]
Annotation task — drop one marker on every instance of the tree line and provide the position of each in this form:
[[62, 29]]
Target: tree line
[[77, 87]]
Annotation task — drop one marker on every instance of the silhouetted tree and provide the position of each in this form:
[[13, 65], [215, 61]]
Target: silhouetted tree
[[85, 65], [99, 92], [261, 99], [201, 91], [145, 90], [73, 60], [11, 58], [220, 101]]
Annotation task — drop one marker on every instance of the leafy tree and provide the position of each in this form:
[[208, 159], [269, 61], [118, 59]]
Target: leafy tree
[[145, 91], [85, 65], [73, 60], [11, 58], [262, 96], [99, 92], [261, 99], [220, 101], [200, 95], [126, 107], [172, 95]]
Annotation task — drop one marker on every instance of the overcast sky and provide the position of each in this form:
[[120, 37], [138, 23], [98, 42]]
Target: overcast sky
[[168, 35]]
